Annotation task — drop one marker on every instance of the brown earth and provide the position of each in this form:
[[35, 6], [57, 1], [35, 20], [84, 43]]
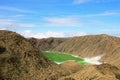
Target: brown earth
[[46, 44], [19, 60], [72, 66], [93, 45], [96, 72], [90, 46], [87, 46]]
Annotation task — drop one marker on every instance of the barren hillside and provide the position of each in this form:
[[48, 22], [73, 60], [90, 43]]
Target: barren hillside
[[86, 46], [46, 44], [19, 60], [96, 72]]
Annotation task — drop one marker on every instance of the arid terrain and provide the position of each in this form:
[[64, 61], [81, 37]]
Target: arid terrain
[[86, 46], [19, 60], [22, 59]]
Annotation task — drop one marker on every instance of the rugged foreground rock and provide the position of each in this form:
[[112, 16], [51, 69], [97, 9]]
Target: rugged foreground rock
[[96, 72], [19, 60]]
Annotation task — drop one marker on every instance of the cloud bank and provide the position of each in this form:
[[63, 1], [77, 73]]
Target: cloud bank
[[9, 8], [29, 33], [61, 21], [80, 1], [12, 24], [96, 1]]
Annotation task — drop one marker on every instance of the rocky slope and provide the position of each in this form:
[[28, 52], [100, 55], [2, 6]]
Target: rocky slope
[[22, 60], [88, 46], [93, 45], [19, 60], [96, 72], [46, 44]]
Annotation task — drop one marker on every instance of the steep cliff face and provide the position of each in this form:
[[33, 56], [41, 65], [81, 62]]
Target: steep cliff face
[[19, 60]]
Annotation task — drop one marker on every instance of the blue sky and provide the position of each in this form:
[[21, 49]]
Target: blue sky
[[60, 18]]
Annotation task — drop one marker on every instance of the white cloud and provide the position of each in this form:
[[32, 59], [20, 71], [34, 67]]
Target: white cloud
[[77, 20], [96, 1], [62, 21], [68, 21], [114, 32], [12, 24], [106, 13], [15, 9], [46, 22], [29, 33], [18, 15], [11, 17], [80, 1], [102, 14]]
